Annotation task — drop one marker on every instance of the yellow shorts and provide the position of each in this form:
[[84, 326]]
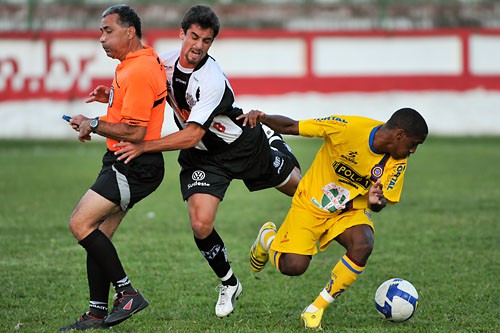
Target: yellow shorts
[[302, 231]]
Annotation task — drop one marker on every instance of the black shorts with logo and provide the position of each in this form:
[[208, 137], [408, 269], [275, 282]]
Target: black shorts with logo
[[127, 184], [249, 158]]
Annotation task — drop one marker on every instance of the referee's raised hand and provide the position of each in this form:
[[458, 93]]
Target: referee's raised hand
[[99, 94]]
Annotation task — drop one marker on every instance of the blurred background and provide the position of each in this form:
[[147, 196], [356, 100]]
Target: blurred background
[[41, 15], [302, 58]]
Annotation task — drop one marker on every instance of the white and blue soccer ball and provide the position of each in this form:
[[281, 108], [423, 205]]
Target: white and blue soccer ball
[[396, 300]]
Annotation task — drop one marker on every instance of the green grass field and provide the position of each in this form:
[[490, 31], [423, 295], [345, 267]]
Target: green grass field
[[443, 237]]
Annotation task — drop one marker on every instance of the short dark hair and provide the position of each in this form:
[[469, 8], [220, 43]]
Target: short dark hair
[[127, 17], [410, 121], [202, 15]]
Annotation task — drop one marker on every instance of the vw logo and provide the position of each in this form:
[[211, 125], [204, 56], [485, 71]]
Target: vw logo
[[198, 175]]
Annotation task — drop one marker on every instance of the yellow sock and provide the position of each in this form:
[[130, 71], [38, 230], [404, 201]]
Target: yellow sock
[[343, 275]]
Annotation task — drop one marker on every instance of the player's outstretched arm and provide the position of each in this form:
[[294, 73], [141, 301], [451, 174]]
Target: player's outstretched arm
[[281, 124], [184, 139]]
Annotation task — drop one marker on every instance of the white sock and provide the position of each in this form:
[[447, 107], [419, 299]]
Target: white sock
[[269, 241], [311, 308]]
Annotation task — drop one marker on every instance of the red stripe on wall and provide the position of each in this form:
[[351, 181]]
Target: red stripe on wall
[[14, 87], [278, 86]]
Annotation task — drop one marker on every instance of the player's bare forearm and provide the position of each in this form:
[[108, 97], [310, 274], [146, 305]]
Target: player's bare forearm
[[281, 124], [184, 139], [163, 144], [127, 151]]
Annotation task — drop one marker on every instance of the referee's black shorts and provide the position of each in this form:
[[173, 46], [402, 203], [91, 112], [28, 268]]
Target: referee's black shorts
[[250, 158], [127, 184]]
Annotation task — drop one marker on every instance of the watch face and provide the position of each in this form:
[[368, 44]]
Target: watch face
[[94, 123]]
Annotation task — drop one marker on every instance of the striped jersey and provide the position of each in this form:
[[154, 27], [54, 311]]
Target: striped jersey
[[203, 96]]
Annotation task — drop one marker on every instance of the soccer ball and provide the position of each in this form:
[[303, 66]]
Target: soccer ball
[[396, 300]]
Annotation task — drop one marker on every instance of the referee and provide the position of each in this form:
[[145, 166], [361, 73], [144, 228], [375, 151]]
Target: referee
[[136, 104]]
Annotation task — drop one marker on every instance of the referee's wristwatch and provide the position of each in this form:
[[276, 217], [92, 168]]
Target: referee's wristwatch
[[94, 124]]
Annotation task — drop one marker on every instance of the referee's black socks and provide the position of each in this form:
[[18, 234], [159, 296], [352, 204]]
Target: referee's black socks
[[102, 250]]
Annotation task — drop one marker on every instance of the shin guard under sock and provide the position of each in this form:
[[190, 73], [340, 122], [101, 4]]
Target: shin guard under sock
[[343, 275], [213, 250]]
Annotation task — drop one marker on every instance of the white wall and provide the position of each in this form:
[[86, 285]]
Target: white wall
[[447, 113], [32, 66]]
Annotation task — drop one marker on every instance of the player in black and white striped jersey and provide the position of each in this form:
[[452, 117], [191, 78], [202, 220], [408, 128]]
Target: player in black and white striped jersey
[[215, 147]]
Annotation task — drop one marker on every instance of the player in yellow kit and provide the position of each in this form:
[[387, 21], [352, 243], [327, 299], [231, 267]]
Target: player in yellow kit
[[358, 170]]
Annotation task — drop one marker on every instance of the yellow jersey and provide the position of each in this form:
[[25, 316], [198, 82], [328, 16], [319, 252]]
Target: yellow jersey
[[346, 166]]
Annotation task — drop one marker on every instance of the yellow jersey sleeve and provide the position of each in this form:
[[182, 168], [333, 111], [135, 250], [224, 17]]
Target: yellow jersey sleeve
[[393, 179], [322, 127]]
